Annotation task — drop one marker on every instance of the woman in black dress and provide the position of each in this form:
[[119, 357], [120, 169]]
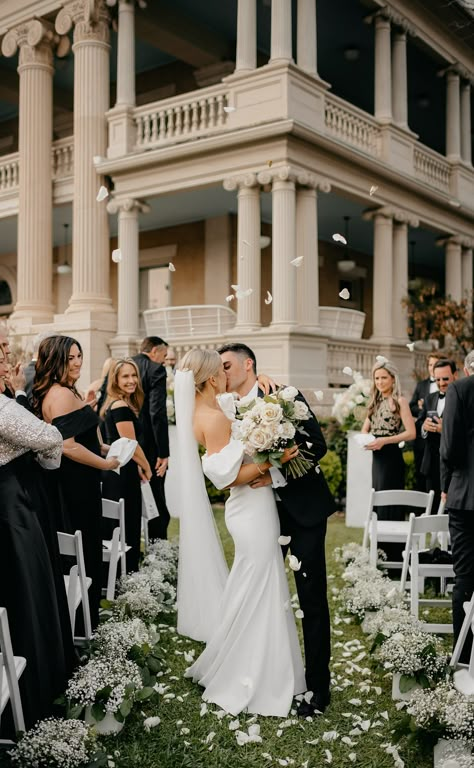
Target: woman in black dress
[[120, 413], [57, 400], [27, 580]]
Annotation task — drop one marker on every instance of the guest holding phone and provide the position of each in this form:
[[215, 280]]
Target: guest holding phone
[[431, 420]]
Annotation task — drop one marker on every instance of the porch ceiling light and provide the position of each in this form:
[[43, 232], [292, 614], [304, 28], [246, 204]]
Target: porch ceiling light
[[352, 53]]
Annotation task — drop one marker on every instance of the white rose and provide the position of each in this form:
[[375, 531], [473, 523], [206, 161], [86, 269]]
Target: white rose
[[289, 393], [301, 410], [287, 430], [359, 399], [271, 412], [260, 438]]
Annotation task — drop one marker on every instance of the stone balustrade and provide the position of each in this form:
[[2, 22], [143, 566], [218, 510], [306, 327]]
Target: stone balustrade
[[9, 172], [432, 168], [63, 157], [347, 123]]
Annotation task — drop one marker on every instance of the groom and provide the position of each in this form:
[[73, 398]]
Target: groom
[[304, 504]]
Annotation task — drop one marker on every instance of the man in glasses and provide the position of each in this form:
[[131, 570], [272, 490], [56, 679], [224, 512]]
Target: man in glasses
[[431, 419]]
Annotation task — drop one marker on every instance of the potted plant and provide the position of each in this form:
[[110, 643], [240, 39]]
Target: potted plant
[[415, 659], [58, 743]]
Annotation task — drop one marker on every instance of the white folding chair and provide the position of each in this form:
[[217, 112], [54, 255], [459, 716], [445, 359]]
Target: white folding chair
[[377, 532], [11, 668], [116, 548], [76, 582], [419, 529], [468, 624]]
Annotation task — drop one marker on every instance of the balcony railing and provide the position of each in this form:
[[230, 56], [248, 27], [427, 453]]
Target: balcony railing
[[181, 118], [63, 157], [347, 123], [341, 323], [432, 168], [175, 323], [9, 172]]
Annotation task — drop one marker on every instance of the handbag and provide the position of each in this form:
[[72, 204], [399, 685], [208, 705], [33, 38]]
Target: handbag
[[149, 508]]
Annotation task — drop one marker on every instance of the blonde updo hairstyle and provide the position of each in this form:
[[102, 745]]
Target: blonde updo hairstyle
[[204, 363], [376, 397]]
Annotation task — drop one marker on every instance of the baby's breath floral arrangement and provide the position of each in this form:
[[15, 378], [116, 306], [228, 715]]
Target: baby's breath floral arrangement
[[388, 621], [350, 406], [163, 554], [108, 684], [351, 552], [58, 743], [416, 656], [370, 594], [443, 712], [267, 425]]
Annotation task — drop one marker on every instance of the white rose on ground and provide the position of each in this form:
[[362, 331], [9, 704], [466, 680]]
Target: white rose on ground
[[260, 439], [271, 412], [289, 393]]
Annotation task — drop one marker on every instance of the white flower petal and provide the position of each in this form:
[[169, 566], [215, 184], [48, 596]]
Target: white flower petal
[[352, 757], [381, 359], [339, 238], [308, 696], [228, 110], [151, 722], [229, 298], [347, 370], [298, 261], [235, 287], [411, 346], [117, 255], [373, 189], [294, 563], [344, 294], [233, 725], [330, 736], [283, 540], [299, 614], [203, 709], [102, 194], [269, 298], [319, 394], [244, 294], [328, 755], [171, 267], [401, 444]]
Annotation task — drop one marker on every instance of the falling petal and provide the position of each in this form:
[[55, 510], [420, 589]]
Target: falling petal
[[230, 298], [171, 267], [401, 444], [381, 359], [347, 370], [319, 394], [344, 294], [284, 540], [298, 261], [97, 159], [299, 614], [339, 238], [117, 255], [244, 294], [411, 346], [235, 287], [269, 298], [269, 163], [294, 563], [102, 194], [228, 110], [373, 189]]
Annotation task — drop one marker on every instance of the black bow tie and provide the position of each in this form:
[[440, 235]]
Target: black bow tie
[[441, 395]]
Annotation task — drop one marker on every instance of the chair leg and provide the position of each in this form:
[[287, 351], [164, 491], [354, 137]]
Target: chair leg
[[414, 581], [466, 625], [373, 540]]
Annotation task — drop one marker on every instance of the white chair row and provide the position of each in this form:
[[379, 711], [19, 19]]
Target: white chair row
[[11, 669]]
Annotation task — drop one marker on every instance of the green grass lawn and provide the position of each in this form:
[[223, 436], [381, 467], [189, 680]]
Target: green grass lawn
[[361, 695]]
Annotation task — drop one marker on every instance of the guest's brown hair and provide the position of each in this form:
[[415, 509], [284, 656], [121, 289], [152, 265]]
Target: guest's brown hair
[[113, 391], [52, 366]]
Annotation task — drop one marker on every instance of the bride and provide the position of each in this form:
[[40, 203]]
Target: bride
[[253, 659]]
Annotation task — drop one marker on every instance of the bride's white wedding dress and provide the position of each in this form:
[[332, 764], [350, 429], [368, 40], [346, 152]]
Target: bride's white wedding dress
[[253, 659]]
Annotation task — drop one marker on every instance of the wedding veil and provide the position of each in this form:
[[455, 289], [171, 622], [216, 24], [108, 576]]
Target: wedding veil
[[202, 570]]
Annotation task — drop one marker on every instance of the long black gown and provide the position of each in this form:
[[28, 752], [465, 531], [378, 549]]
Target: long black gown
[[125, 485], [79, 487], [27, 582]]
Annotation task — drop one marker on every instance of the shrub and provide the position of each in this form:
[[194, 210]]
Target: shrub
[[332, 469]]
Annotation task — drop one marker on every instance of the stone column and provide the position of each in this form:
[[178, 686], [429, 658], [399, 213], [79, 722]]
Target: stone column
[[400, 280], [90, 284], [453, 266], [307, 275], [383, 269], [399, 82], [453, 114], [466, 152], [246, 54], [35, 39], [281, 47], [383, 77], [466, 270], [306, 40], [126, 54], [125, 342]]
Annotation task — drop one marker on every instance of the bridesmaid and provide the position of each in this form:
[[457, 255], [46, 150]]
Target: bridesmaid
[[57, 401], [27, 579], [120, 412]]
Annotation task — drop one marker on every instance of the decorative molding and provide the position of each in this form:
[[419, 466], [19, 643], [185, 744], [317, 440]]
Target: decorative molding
[[127, 205], [35, 40], [396, 18], [398, 215], [241, 180], [90, 19]]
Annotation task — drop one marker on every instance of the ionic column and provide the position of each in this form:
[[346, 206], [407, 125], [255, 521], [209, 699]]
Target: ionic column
[[246, 54], [281, 47], [383, 77], [283, 251], [453, 114], [466, 270], [35, 216], [126, 54], [453, 267], [306, 40], [90, 279], [128, 274], [466, 123], [307, 275], [400, 280], [399, 81], [383, 268]]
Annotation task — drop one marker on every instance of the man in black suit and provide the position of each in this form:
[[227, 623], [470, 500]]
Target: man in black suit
[[457, 481], [422, 390], [154, 422], [444, 374], [303, 505]]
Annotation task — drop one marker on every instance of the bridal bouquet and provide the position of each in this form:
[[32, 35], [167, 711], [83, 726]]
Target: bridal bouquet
[[267, 425]]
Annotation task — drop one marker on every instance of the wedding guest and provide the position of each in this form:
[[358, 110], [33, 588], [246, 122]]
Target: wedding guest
[[27, 584], [423, 388], [56, 399], [170, 359], [30, 369], [457, 480], [154, 422], [120, 412], [304, 504]]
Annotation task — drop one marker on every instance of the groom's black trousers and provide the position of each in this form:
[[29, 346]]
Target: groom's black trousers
[[308, 545]]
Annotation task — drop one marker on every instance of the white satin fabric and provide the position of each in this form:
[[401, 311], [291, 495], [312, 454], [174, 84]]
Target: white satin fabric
[[202, 570], [253, 661]]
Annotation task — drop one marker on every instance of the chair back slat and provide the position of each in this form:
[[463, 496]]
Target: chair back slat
[[431, 524], [403, 498], [7, 666]]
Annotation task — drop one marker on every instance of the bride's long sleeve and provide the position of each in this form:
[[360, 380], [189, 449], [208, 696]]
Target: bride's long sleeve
[[223, 467], [22, 431]]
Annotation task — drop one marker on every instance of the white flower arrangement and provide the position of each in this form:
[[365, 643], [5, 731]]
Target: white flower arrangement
[[350, 405], [56, 743], [444, 711], [370, 595], [137, 602], [416, 655], [163, 555], [390, 620], [152, 580], [350, 552], [268, 425], [105, 680], [117, 638]]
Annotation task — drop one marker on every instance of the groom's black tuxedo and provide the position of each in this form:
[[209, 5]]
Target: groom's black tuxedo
[[304, 505]]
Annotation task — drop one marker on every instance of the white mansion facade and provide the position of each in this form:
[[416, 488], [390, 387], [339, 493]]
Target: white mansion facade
[[234, 137]]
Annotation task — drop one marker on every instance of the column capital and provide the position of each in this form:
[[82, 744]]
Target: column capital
[[127, 205], [240, 180], [398, 215], [90, 19], [397, 19], [35, 39], [448, 240]]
